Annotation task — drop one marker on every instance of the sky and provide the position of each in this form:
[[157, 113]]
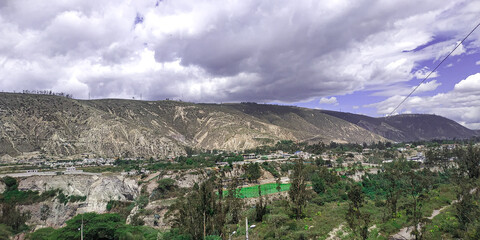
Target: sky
[[359, 56]]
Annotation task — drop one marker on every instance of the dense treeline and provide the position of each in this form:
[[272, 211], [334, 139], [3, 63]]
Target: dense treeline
[[48, 92], [96, 226]]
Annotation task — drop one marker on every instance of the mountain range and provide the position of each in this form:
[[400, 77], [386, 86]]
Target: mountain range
[[60, 126]]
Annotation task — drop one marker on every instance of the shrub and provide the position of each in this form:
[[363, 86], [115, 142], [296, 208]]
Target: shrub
[[174, 234], [62, 198], [11, 183], [5, 231], [77, 198], [166, 184], [137, 220], [41, 234]]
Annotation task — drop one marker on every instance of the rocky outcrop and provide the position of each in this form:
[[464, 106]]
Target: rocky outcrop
[[98, 189], [50, 213]]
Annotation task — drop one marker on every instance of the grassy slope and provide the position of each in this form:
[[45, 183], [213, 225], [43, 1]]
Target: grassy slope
[[320, 220]]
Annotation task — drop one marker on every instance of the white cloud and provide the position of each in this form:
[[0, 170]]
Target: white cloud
[[461, 104], [331, 100], [477, 62], [243, 50], [404, 90], [423, 73]]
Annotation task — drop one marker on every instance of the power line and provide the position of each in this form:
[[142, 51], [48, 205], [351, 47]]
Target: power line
[[438, 65]]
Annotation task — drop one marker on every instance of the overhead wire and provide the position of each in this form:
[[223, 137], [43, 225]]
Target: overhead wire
[[431, 72]]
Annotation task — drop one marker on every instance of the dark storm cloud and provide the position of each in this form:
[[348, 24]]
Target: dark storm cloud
[[210, 51], [296, 49]]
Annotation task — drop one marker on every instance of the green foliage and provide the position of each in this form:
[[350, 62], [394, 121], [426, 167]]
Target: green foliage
[[11, 183], [13, 218], [96, 226], [122, 208], [358, 221], [213, 237], [77, 198], [142, 201], [16, 197], [318, 184], [137, 220], [166, 188], [469, 161], [199, 210], [233, 201], [260, 207], [271, 169], [110, 205], [175, 234], [252, 172], [235, 158], [62, 198], [5, 231], [206, 209], [297, 192], [41, 234]]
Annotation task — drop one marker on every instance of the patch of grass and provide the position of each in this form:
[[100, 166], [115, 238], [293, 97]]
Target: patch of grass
[[442, 225], [319, 221]]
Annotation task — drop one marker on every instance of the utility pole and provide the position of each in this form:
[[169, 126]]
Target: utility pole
[[246, 228], [204, 228], [81, 230]]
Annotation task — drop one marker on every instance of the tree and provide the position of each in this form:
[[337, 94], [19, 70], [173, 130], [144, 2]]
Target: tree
[[11, 183], [357, 220], [253, 172], [200, 213], [467, 211], [319, 161], [13, 217], [318, 184], [165, 188], [417, 186], [233, 200], [469, 161], [392, 187], [279, 184], [466, 178], [298, 191], [260, 206]]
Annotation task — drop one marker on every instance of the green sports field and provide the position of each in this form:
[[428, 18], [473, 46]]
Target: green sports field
[[268, 188]]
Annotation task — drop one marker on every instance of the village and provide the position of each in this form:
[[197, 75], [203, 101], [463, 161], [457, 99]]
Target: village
[[367, 157]]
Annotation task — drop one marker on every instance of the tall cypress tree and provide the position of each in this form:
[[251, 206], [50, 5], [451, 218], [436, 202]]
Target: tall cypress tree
[[298, 189]]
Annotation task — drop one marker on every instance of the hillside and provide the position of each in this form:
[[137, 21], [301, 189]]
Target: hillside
[[113, 127], [409, 127], [60, 126]]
